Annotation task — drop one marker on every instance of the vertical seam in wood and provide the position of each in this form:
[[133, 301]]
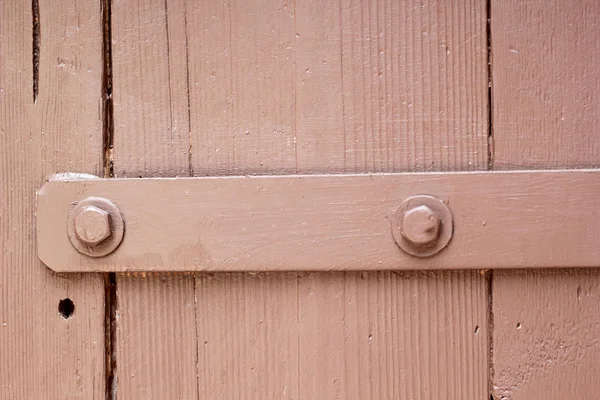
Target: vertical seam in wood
[[35, 13], [191, 174], [110, 312], [110, 279], [490, 285], [169, 71], [108, 128]]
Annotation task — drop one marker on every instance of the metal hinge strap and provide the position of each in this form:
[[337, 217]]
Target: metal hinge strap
[[474, 220]]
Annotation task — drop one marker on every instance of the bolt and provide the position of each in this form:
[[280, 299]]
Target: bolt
[[421, 226], [92, 225]]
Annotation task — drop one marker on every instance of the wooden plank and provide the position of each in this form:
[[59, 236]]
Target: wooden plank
[[246, 323], [156, 319], [156, 335], [545, 116], [44, 355], [384, 86], [375, 335], [545, 79], [241, 85], [546, 334], [330, 222], [318, 91], [242, 109], [150, 89], [387, 86]]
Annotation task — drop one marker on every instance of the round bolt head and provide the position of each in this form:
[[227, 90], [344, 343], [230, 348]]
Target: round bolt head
[[421, 226], [92, 225], [95, 226]]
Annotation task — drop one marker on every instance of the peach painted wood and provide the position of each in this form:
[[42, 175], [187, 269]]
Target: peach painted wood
[[330, 222], [242, 82], [42, 354], [546, 115], [155, 338], [274, 88], [248, 335], [389, 87], [389, 334], [156, 346], [546, 334], [545, 82]]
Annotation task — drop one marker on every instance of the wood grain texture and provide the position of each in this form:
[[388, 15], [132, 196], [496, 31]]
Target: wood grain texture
[[321, 87], [402, 91], [43, 355], [391, 335], [156, 336], [242, 113], [241, 87], [506, 219], [545, 115], [388, 86], [150, 99], [247, 330], [546, 334], [155, 319], [545, 84]]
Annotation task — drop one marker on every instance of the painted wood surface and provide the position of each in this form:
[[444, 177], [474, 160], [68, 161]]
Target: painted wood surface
[[546, 334], [545, 115], [312, 87], [221, 89], [386, 335], [506, 219], [45, 128], [545, 60], [155, 343], [153, 340]]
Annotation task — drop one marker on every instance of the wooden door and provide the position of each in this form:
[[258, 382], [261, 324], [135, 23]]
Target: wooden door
[[182, 88]]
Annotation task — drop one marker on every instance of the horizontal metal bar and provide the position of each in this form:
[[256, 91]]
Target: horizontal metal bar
[[328, 222]]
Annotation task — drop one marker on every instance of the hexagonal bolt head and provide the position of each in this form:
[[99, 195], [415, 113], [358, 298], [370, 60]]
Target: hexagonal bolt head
[[92, 225], [421, 226]]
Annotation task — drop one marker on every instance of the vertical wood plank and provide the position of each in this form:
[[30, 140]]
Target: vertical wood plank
[[546, 334], [247, 336], [45, 356], [387, 87], [156, 337], [389, 335], [546, 115], [241, 87], [150, 89], [242, 113], [156, 329], [545, 81], [318, 90]]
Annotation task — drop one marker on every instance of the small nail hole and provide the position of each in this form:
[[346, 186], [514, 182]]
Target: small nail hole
[[66, 308], [518, 325], [477, 329]]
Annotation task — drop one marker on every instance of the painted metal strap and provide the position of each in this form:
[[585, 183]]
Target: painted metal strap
[[516, 219]]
